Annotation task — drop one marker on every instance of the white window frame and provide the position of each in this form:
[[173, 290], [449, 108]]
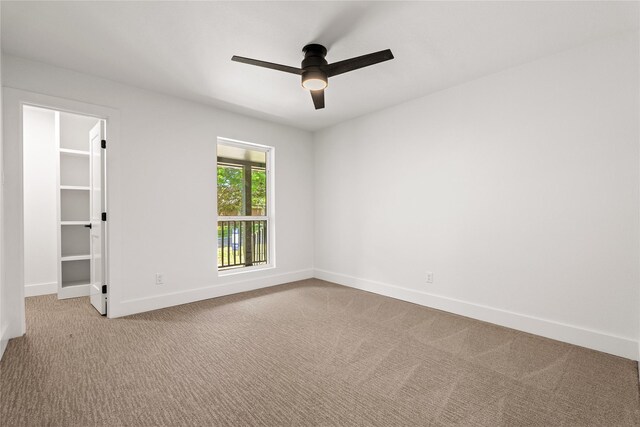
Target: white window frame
[[270, 214]]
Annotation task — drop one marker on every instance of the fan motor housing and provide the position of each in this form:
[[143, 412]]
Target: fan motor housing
[[314, 56]]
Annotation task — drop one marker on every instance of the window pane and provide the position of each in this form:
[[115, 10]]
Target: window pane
[[242, 243], [230, 190], [258, 192]]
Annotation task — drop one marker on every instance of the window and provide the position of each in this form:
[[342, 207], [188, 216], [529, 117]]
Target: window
[[244, 205]]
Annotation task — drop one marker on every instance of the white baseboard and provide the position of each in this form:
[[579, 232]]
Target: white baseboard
[[140, 305], [38, 289], [607, 343]]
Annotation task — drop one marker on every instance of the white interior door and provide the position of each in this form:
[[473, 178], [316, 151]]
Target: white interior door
[[98, 205]]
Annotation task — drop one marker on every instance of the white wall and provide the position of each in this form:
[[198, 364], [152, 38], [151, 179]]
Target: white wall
[[74, 131], [162, 183], [40, 156], [519, 191]]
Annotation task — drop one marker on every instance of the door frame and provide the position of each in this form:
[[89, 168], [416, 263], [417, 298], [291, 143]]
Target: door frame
[[13, 200]]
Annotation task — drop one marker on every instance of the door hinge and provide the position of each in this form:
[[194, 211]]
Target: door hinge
[[103, 143], [104, 216], [104, 289]]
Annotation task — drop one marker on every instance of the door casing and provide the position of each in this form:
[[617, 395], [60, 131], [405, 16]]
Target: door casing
[[12, 232]]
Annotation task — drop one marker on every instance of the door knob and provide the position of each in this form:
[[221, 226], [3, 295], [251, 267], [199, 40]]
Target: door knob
[[87, 225]]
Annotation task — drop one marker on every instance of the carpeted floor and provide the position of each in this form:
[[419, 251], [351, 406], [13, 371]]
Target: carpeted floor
[[306, 353]]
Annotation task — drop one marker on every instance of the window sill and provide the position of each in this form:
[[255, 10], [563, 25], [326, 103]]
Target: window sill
[[242, 270]]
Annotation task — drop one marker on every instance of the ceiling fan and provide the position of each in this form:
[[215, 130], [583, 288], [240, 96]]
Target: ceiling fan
[[315, 70]]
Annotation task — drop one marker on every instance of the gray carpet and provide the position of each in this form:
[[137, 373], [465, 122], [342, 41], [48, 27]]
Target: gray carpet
[[305, 353]]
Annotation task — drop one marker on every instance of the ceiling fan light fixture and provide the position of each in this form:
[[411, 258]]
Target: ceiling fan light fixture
[[314, 80]]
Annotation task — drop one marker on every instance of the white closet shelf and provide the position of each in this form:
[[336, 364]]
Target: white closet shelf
[[74, 187], [75, 258], [75, 222], [75, 283], [70, 152]]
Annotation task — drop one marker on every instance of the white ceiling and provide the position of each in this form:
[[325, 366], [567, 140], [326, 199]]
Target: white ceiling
[[184, 48]]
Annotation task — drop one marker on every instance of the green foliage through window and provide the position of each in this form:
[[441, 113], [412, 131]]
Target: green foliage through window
[[231, 201], [230, 189], [258, 191]]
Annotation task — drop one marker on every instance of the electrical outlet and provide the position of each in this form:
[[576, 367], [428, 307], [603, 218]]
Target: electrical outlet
[[429, 277], [159, 279]]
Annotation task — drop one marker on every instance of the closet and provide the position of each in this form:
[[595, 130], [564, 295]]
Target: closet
[[63, 201]]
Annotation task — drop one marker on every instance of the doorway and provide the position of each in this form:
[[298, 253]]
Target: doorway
[[64, 167]]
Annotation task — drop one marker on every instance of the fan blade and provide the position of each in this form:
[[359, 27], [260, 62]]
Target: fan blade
[[347, 65], [271, 65], [318, 98]]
